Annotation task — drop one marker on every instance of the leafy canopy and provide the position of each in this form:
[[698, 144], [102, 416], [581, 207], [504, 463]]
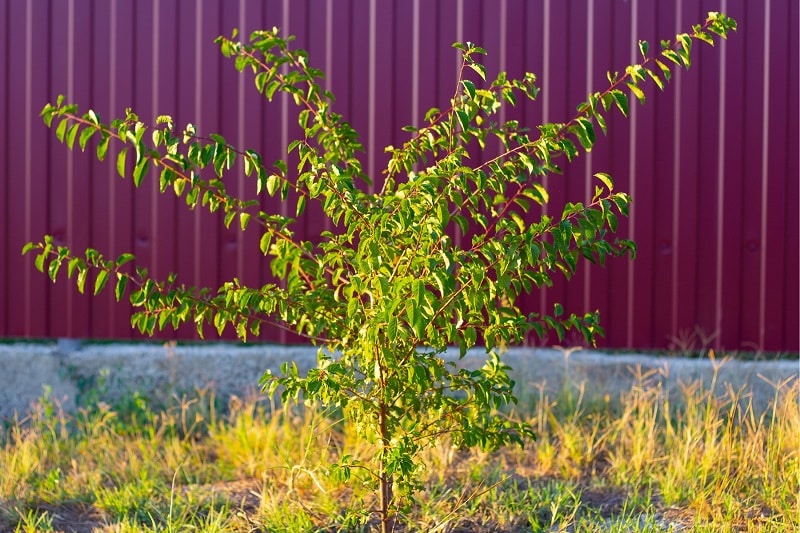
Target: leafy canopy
[[390, 289]]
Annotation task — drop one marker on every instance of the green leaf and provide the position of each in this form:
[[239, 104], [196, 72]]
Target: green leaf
[[686, 42], [220, 161], [272, 86], [585, 133], [140, 170], [122, 282], [636, 91], [218, 139], [685, 58], [74, 263], [261, 80], [606, 179], [124, 259], [621, 101], [121, 162], [470, 336], [601, 122], [612, 221], [244, 218], [102, 147], [302, 118], [192, 196], [80, 281], [61, 129], [480, 69], [673, 56], [301, 205], [540, 194], [463, 119], [703, 36], [272, 184], [248, 164], [656, 79], [47, 114], [568, 147], [264, 244], [86, 134], [39, 262], [163, 317], [664, 69], [469, 88], [419, 325], [241, 62], [352, 307], [100, 281], [71, 134], [643, 47], [229, 216], [178, 186]]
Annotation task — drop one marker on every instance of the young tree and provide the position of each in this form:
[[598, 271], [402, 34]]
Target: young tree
[[390, 290]]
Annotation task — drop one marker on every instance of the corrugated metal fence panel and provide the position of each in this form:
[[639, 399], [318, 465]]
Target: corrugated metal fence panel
[[712, 163]]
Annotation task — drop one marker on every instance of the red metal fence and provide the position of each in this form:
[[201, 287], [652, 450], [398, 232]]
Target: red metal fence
[[712, 163]]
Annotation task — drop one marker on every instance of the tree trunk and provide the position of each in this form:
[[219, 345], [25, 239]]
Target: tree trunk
[[387, 518]]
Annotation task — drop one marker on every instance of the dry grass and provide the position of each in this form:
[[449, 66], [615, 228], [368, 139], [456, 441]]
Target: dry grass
[[705, 461]]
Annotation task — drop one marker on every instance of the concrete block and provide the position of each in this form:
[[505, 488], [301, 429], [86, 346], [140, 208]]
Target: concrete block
[[70, 369]]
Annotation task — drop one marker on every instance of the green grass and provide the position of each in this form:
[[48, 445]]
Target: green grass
[[642, 462]]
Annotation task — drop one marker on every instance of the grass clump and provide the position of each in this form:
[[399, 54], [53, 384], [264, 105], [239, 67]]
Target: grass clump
[[705, 460]]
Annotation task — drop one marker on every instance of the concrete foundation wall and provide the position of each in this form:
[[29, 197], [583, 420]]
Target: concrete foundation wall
[[70, 369]]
